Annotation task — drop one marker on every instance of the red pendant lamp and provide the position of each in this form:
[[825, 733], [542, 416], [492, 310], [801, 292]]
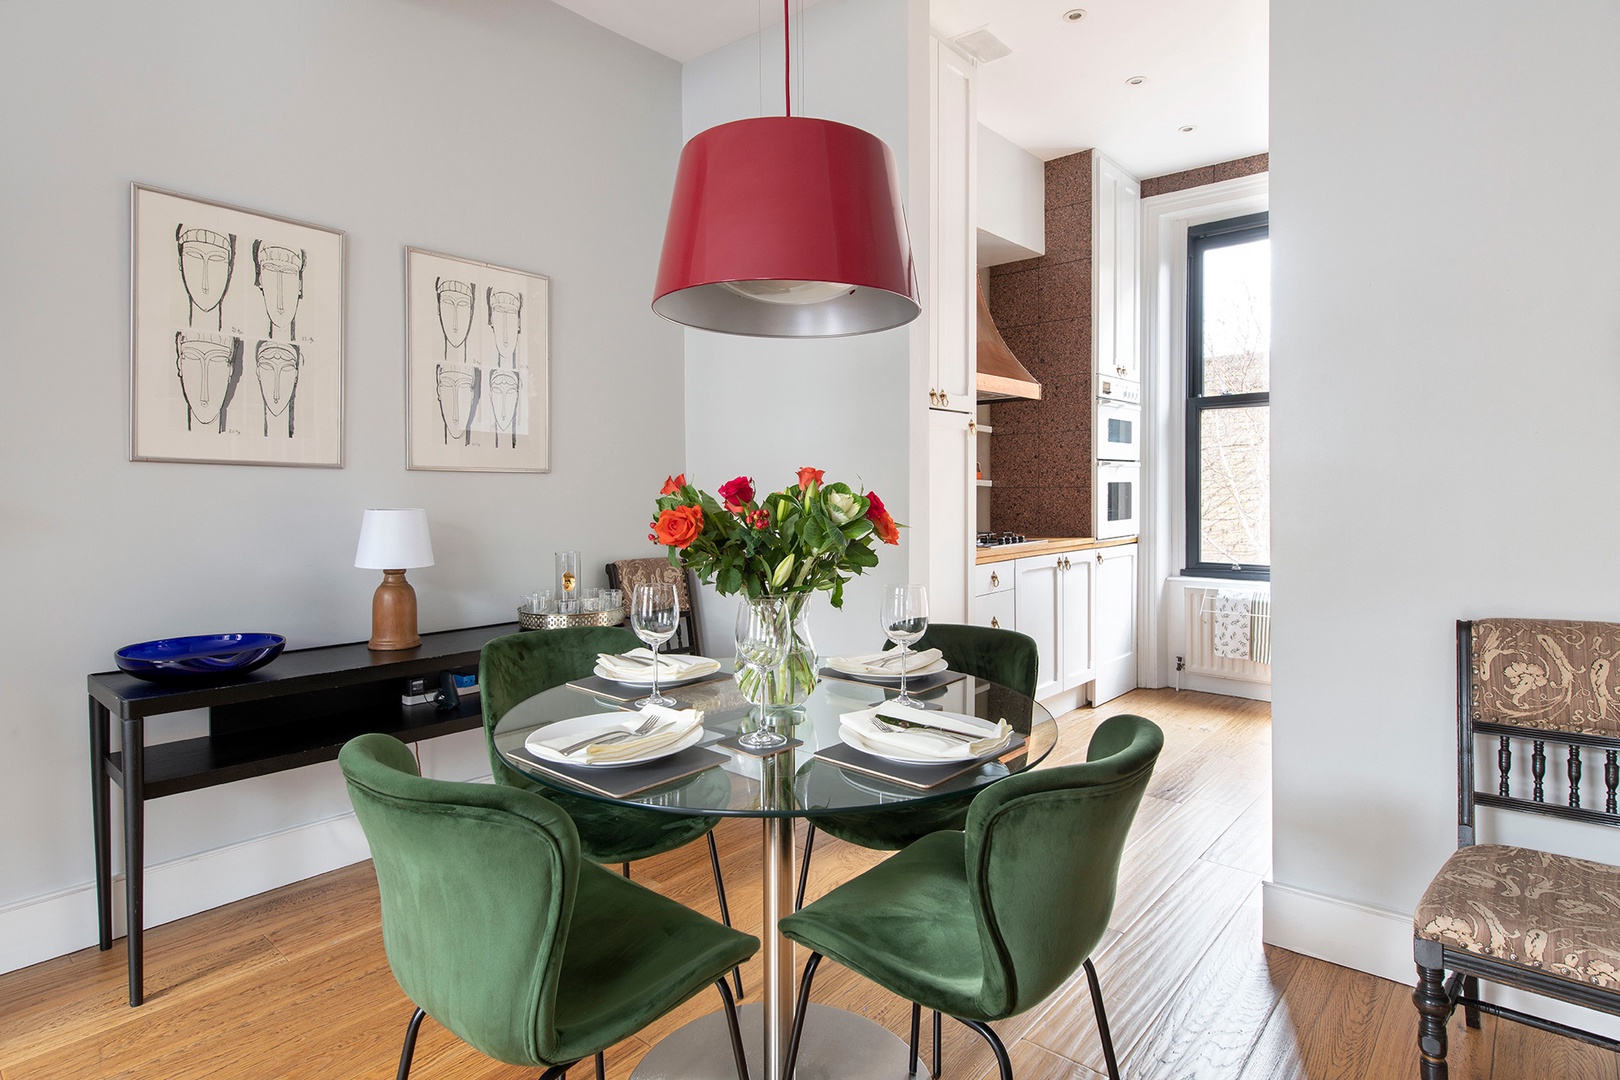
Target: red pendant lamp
[[787, 226]]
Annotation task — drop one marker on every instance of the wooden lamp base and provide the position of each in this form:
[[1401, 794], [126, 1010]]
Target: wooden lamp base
[[393, 614]]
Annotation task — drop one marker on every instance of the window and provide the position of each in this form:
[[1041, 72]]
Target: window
[[1229, 399]]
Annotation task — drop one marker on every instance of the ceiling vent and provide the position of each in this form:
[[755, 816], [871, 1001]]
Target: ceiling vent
[[981, 45]]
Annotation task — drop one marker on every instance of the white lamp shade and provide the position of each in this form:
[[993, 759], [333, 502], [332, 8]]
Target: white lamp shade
[[394, 540]]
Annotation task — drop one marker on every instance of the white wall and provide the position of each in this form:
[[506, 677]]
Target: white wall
[[762, 407], [1012, 201], [1445, 386], [511, 132]]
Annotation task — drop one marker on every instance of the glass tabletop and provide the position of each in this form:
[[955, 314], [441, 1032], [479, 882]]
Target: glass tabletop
[[793, 783]]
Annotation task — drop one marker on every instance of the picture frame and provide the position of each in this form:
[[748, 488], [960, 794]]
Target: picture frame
[[477, 367], [236, 334]]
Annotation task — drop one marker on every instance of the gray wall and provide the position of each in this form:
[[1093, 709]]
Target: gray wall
[[510, 132]]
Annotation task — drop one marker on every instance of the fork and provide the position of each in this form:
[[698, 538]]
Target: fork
[[894, 726], [643, 728]]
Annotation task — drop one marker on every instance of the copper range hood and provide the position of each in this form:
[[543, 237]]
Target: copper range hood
[[1001, 376]]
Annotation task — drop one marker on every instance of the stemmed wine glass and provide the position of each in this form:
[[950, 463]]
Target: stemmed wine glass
[[905, 618], [654, 615], [764, 632]]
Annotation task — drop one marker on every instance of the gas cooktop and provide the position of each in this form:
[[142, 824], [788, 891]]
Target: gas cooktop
[[997, 539]]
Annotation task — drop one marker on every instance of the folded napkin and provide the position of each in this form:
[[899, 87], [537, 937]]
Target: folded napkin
[[673, 726], [637, 664], [919, 742], [883, 663]]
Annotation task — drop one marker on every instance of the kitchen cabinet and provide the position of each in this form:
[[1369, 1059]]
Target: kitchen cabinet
[[1052, 604], [953, 255], [994, 596], [1116, 255], [1113, 621], [951, 513]]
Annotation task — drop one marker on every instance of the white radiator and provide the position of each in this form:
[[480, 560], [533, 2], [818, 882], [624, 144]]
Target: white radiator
[[1200, 657]]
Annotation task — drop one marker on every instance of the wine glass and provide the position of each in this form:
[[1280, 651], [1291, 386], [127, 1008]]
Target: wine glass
[[764, 632], [654, 614], [905, 618]]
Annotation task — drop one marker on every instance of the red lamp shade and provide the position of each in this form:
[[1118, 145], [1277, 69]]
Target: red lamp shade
[[787, 227]]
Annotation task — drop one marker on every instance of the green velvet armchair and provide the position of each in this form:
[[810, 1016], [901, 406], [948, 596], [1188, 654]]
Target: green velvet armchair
[[497, 928], [986, 923]]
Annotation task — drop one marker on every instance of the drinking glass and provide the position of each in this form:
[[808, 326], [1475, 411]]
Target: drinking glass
[[764, 632], [905, 619], [654, 614]]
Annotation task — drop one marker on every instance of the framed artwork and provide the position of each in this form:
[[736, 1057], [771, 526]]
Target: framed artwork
[[477, 368], [236, 335]]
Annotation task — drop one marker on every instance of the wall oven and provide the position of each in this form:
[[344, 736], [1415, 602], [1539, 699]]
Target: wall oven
[[1117, 476], [1116, 493], [1118, 430]]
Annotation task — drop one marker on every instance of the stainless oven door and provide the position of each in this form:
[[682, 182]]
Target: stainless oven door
[[1116, 495], [1119, 431]]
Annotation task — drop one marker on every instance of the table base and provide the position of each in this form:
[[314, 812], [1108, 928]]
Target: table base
[[838, 1045]]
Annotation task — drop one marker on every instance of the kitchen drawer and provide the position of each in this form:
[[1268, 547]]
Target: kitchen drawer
[[994, 609], [993, 578]]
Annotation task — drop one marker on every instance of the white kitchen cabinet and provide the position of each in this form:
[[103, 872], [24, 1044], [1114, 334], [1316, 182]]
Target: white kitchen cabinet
[[994, 596], [951, 514], [952, 308], [1116, 255], [1113, 621], [1052, 604], [1074, 620]]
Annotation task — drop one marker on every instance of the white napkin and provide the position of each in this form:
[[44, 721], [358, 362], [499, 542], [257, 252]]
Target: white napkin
[[673, 726], [638, 663], [884, 663], [917, 742]]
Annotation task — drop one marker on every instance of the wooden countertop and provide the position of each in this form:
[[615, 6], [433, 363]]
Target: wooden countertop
[[1045, 546]]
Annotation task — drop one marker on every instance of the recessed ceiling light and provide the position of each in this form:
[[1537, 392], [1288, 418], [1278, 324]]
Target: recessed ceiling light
[[1136, 80], [1074, 14], [1184, 128]]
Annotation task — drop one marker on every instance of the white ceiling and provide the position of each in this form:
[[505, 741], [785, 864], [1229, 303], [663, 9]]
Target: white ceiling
[[1064, 88]]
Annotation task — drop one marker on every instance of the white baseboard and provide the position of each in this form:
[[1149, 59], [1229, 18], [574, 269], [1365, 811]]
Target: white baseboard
[[1379, 942], [1211, 684]]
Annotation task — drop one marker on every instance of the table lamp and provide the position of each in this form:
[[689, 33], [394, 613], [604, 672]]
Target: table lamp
[[394, 541]]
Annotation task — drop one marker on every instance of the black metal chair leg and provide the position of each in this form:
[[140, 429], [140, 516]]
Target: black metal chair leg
[[804, 867], [556, 1072], [916, 1028], [1102, 1021], [937, 1019], [736, 1032], [725, 912], [410, 1044], [624, 868], [1470, 989], [1003, 1062], [799, 1010], [601, 1066]]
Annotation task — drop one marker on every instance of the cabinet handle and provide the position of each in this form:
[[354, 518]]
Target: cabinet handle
[[995, 582], [1063, 562], [973, 427], [1121, 370], [945, 399], [995, 623], [1099, 556], [933, 397]]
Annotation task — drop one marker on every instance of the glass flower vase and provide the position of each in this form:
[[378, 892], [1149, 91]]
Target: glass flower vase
[[780, 691]]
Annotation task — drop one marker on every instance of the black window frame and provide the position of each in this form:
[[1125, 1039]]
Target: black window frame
[[1201, 238]]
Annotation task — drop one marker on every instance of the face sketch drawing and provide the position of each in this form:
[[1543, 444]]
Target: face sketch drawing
[[276, 363], [506, 320], [455, 314], [457, 387], [279, 274], [207, 259], [503, 403], [209, 366]]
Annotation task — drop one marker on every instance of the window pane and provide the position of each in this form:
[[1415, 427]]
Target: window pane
[[1237, 318], [1235, 485]]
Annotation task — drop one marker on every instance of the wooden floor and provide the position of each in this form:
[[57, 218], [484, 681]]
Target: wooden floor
[[294, 983]]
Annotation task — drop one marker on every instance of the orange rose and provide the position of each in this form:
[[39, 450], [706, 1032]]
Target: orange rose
[[679, 526], [672, 484], [882, 521], [808, 476]]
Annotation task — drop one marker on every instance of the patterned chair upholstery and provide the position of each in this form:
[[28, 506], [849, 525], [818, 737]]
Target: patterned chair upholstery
[[1522, 917], [626, 574]]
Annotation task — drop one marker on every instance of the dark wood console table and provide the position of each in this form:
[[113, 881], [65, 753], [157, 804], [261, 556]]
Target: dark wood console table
[[297, 710]]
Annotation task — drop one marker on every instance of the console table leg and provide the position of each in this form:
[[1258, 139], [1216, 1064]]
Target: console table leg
[[99, 721], [134, 849]]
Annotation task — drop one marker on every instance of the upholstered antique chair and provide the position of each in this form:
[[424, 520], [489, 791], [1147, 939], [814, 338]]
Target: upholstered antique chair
[[988, 922], [1541, 922], [498, 929], [521, 665], [626, 574]]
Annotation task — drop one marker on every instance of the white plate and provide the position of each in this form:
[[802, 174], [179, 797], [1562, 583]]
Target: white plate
[[893, 680], [853, 738], [581, 726], [703, 672]]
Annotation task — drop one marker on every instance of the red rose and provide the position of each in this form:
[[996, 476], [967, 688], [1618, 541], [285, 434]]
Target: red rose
[[808, 476], [679, 526], [882, 523], [673, 484], [736, 493]]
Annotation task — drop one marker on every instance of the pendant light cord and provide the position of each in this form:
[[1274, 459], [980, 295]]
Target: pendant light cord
[[787, 63]]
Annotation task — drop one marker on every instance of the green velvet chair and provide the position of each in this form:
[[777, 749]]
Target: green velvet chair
[[519, 666], [986, 923], [498, 929]]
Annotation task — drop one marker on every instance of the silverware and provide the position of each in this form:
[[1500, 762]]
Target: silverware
[[884, 724], [643, 728]]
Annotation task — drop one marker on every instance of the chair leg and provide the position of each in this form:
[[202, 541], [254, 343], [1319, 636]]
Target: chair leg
[[720, 892], [1470, 989], [1003, 1062], [799, 1010], [410, 1044], [736, 1032], [624, 868], [1102, 1021], [916, 1029], [936, 1044], [601, 1066], [556, 1072], [1434, 1009], [804, 867]]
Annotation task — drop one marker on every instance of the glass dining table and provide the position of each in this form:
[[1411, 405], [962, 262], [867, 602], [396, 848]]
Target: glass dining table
[[793, 783]]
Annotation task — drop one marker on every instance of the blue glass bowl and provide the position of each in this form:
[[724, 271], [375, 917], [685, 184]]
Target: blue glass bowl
[[203, 654]]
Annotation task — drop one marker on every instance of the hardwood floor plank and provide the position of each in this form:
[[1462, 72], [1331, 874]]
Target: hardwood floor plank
[[1156, 858], [1527, 1053], [1246, 844]]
